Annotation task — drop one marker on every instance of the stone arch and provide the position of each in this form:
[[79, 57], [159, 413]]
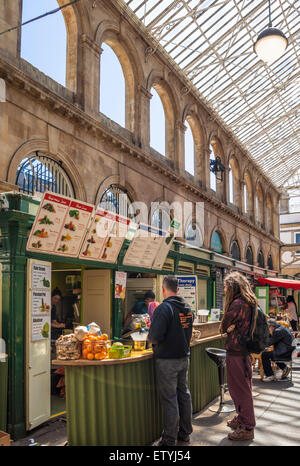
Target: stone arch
[[250, 246], [234, 168], [109, 33], [234, 239], [269, 214], [220, 231], [248, 193], [192, 221], [261, 255], [42, 146], [163, 89], [191, 115], [214, 144], [74, 22], [114, 180], [259, 203]]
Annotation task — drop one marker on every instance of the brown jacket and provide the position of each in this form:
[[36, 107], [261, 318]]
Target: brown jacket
[[238, 314]]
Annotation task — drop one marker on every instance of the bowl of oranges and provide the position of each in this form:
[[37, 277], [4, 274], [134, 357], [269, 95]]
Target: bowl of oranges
[[94, 347]]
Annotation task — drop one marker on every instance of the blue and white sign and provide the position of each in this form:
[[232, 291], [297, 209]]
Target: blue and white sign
[[188, 289]]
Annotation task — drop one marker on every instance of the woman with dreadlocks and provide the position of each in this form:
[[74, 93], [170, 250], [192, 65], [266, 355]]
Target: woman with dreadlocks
[[240, 307]]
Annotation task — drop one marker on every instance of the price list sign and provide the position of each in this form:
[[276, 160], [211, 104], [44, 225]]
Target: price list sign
[[144, 247]]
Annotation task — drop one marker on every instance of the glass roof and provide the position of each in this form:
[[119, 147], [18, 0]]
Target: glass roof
[[211, 42]]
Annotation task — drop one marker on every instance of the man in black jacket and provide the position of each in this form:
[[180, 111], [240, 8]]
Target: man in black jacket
[[282, 340], [170, 333]]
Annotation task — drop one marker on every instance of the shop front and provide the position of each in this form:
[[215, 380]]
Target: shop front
[[56, 276]]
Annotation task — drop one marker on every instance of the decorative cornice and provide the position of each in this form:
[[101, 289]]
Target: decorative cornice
[[54, 102]]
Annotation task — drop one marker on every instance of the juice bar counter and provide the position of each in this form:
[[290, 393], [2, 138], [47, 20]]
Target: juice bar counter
[[115, 403]]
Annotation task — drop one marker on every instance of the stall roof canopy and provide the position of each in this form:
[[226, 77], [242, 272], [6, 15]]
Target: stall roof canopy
[[210, 43], [282, 283]]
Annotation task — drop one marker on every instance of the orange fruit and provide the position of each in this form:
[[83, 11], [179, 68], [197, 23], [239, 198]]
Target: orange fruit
[[104, 336], [98, 356], [90, 356], [85, 353], [89, 348]]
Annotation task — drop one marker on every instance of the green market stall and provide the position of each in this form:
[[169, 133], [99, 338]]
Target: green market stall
[[17, 216]]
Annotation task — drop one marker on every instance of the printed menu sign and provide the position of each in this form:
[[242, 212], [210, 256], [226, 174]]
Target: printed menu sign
[[144, 246], [120, 284], [105, 237], [74, 228], [48, 223], [166, 246], [40, 301], [188, 289], [60, 225]]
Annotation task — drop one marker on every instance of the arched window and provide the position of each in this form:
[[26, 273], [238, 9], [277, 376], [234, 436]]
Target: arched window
[[269, 213], [189, 150], [112, 86], [213, 181], [194, 235], [115, 199], [259, 205], [270, 262], [261, 260], [246, 202], [216, 243], [44, 42], [235, 251], [161, 218], [249, 256], [157, 123], [39, 173], [231, 185]]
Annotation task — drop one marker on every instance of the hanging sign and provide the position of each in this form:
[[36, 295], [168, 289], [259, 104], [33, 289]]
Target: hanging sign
[[40, 302], [74, 228], [144, 247], [166, 246], [60, 225], [105, 237], [120, 285], [188, 289]]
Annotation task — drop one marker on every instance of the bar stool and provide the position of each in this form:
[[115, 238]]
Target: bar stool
[[218, 355]]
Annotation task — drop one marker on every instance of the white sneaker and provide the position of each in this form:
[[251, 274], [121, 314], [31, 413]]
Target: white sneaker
[[271, 378]]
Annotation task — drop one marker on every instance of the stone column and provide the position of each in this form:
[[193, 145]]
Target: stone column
[[179, 161], [10, 16], [205, 152], [144, 117], [90, 75]]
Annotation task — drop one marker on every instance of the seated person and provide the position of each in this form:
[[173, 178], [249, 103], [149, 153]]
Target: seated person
[[281, 338]]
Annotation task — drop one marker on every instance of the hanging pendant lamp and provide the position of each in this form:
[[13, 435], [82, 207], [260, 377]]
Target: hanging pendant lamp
[[271, 43]]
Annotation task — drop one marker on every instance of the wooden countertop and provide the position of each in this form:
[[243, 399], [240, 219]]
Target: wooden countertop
[[135, 356]]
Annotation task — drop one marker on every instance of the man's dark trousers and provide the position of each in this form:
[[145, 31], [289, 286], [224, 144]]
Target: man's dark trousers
[[267, 357], [175, 397]]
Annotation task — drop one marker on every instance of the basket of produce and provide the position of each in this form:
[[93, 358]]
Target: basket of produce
[[68, 347], [95, 346], [119, 351]]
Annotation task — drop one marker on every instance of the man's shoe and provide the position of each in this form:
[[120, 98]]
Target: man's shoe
[[183, 438], [234, 423], [162, 443], [241, 434], [285, 373], [271, 378]]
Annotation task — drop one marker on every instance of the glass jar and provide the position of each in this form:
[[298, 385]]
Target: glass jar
[[94, 350]]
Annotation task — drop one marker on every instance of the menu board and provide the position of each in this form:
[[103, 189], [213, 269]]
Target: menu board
[[60, 225], [188, 289], [166, 246], [144, 247], [105, 237], [120, 284], [48, 223], [74, 228], [40, 301]]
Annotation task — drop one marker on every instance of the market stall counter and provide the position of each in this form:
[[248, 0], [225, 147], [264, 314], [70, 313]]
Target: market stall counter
[[114, 402]]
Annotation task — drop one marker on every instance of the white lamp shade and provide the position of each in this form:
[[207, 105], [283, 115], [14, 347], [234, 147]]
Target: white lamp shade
[[270, 45]]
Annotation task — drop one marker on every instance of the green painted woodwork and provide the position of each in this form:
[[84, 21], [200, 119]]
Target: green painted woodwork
[[118, 404], [3, 393], [16, 220]]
